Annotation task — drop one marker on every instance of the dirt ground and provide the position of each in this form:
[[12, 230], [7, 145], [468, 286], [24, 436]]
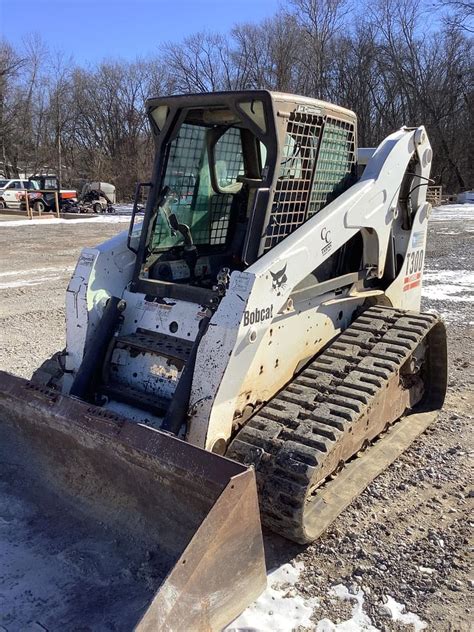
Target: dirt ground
[[407, 536]]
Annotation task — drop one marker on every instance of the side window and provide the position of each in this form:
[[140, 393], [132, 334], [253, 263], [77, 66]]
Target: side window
[[291, 165], [335, 165], [294, 180], [303, 187], [229, 158]]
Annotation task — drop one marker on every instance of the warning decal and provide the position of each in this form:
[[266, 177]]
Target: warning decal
[[411, 281]]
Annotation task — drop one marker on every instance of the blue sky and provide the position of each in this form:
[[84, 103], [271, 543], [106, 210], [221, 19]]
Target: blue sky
[[93, 29]]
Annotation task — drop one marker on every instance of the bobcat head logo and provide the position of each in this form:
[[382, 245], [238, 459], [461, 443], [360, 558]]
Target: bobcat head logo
[[279, 280]]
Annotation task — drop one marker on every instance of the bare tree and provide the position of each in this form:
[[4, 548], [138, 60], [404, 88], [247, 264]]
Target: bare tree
[[201, 63], [377, 58], [320, 22], [267, 55], [10, 66], [460, 14]]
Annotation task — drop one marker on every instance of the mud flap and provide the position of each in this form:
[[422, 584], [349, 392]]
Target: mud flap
[[125, 527]]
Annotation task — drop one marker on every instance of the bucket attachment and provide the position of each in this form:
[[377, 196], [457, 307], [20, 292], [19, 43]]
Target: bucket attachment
[[106, 524]]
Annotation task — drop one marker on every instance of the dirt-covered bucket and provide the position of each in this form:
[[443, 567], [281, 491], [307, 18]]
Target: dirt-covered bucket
[[110, 525]]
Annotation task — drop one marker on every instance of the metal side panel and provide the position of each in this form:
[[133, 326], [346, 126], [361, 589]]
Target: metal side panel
[[108, 524], [208, 587]]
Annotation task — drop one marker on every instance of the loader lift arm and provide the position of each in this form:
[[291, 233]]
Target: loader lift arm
[[368, 208]]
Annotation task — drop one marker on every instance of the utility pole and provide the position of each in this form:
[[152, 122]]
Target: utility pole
[[58, 135]]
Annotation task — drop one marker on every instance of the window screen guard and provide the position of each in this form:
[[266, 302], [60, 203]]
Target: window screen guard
[[317, 163]]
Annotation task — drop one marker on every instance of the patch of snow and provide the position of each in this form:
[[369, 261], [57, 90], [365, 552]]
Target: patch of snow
[[279, 608], [359, 621], [33, 271], [448, 285], [447, 293], [123, 209], [98, 219], [426, 570], [449, 232], [449, 212], [52, 274], [434, 276], [397, 612], [28, 282]]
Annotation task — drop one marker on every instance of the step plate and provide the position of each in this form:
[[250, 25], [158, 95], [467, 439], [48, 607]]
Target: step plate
[[146, 366]]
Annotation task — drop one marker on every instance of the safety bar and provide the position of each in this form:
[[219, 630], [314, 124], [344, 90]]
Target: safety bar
[[138, 188]]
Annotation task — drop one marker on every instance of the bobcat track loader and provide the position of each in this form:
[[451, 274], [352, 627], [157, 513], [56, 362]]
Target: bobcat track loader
[[251, 351]]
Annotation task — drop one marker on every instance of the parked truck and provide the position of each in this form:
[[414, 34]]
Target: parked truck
[[12, 191], [43, 198]]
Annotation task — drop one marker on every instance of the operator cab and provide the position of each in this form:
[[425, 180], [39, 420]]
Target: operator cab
[[210, 163], [234, 174], [199, 225]]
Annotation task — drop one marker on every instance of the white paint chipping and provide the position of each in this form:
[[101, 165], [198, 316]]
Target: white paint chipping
[[279, 608]]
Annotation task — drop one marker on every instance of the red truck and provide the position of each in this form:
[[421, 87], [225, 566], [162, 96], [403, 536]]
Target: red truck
[[43, 200]]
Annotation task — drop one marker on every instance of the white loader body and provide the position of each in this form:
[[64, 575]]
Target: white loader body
[[263, 330]]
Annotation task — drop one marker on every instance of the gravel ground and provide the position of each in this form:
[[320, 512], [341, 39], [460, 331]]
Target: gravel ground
[[407, 536], [36, 262]]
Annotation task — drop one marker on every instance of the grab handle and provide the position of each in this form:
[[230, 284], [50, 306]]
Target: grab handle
[[138, 188]]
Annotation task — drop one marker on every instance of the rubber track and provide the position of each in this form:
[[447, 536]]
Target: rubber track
[[290, 437]]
